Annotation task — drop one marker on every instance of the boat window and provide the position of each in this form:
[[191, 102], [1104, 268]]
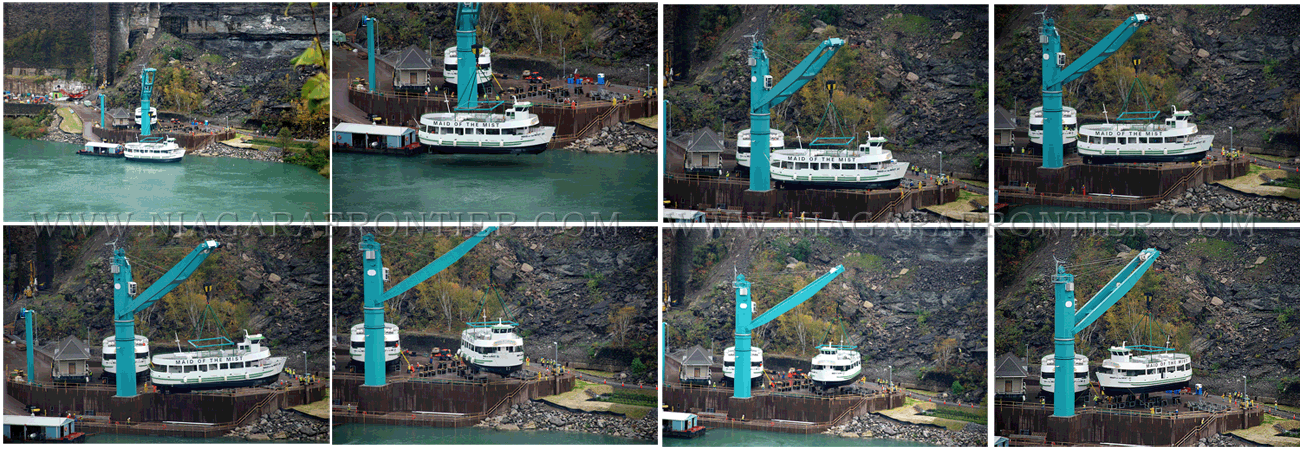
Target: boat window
[[460, 131], [390, 344], [191, 368], [494, 132], [237, 365], [224, 366], [800, 165], [1108, 140], [826, 166], [174, 369], [835, 166], [728, 364]]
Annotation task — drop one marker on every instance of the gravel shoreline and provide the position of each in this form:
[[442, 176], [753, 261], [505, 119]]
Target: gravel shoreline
[[284, 425], [537, 416], [875, 426]]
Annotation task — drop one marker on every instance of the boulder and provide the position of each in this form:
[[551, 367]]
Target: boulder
[[526, 268], [273, 277], [913, 77], [1215, 301], [1202, 53], [259, 437]]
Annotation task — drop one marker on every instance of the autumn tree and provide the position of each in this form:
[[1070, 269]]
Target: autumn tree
[[944, 351], [620, 322]]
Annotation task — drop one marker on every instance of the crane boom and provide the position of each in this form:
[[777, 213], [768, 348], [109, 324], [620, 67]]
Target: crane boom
[[372, 265], [126, 303], [745, 325], [1069, 322], [1055, 73], [763, 95]]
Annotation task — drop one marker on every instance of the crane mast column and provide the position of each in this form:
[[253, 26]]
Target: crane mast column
[[372, 266], [1064, 343], [760, 124]]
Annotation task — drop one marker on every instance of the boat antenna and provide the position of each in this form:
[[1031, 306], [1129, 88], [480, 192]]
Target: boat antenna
[[1104, 113]]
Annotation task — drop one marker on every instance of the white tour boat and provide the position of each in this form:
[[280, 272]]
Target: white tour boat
[[153, 116], [449, 69], [870, 166], [1048, 378], [1069, 128], [755, 365], [1176, 140], [518, 131], [109, 357], [392, 345], [835, 365], [492, 346], [776, 141], [248, 364], [1158, 370], [153, 149]]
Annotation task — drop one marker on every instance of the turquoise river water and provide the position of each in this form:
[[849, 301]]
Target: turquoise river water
[[50, 178], [108, 438], [755, 438], [384, 434], [526, 188]]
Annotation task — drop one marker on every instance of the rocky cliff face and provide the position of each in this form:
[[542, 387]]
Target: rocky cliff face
[[902, 293], [1213, 60], [1233, 298], [921, 70], [277, 283], [560, 285], [245, 30]]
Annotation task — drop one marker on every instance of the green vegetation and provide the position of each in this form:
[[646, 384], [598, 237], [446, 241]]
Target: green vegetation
[[975, 415], [28, 127], [704, 258], [1212, 249], [52, 48], [907, 24], [629, 398], [866, 262]]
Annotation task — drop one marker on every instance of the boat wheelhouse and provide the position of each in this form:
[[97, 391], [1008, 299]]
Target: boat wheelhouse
[[248, 364], [392, 345], [755, 365], [492, 346], [109, 356], [1069, 129], [776, 141], [870, 166], [518, 131], [1048, 369], [1157, 369], [450, 71], [1174, 140], [104, 149], [835, 365], [154, 149]]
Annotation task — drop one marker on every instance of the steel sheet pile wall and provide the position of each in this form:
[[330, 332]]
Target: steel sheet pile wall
[[187, 141], [27, 109], [770, 406], [187, 407], [1133, 428], [696, 192], [568, 121], [444, 397], [1135, 180]]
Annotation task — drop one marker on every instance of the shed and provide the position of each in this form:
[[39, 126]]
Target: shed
[[680, 425], [375, 138], [411, 71], [1004, 124], [21, 429], [704, 152], [683, 216], [120, 118], [71, 361], [696, 367], [1009, 378]]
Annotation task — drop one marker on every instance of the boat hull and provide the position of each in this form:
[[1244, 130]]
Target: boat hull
[[799, 184], [1139, 389], [456, 149], [158, 160], [1102, 160], [502, 370], [220, 384]]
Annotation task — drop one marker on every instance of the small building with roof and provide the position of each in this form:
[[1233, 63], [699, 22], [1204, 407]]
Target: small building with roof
[[1004, 127], [411, 71], [120, 118], [71, 361], [41, 429], [704, 152], [1009, 378], [376, 139], [697, 367]]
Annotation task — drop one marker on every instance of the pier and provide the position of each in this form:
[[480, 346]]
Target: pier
[[1032, 425], [1022, 181], [437, 401]]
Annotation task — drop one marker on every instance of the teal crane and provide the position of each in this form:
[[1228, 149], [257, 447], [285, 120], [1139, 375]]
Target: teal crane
[[1070, 322], [101, 112], [467, 50], [1055, 74], [28, 316], [146, 91], [374, 275], [126, 303], [763, 96], [370, 51], [746, 323]]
